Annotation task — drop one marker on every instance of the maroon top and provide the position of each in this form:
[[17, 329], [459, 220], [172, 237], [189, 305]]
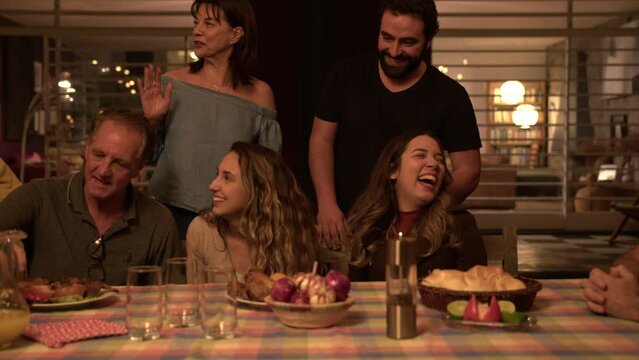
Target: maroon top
[[469, 253], [404, 222]]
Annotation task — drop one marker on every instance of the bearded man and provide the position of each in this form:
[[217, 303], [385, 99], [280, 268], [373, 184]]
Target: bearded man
[[369, 99]]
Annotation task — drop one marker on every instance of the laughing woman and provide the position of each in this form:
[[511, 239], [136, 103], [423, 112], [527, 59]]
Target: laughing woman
[[406, 193], [260, 219], [203, 108]]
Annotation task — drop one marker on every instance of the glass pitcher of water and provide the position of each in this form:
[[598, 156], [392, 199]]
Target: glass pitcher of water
[[14, 311]]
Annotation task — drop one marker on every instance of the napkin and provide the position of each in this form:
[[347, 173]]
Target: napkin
[[56, 334]]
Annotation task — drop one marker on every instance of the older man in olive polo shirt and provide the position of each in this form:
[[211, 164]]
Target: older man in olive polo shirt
[[94, 224]]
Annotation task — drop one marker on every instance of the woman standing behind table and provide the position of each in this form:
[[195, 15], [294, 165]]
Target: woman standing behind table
[[207, 106], [406, 194], [260, 219]]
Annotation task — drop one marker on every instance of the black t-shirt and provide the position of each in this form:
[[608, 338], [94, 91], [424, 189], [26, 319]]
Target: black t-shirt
[[369, 116]]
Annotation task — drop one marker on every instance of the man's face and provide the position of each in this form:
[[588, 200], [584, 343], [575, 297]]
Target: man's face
[[400, 44], [111, 161]]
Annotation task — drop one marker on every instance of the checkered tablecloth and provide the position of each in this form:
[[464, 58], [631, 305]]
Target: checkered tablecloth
[[565, 329]]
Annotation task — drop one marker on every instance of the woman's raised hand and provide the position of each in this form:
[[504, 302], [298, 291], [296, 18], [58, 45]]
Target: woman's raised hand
[[155, 103]]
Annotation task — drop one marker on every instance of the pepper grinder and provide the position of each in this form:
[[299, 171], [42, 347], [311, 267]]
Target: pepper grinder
[[401, 288]]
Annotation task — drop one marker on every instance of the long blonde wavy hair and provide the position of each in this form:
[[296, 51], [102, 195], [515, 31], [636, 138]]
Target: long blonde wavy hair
[[277, 222], [373, 214]]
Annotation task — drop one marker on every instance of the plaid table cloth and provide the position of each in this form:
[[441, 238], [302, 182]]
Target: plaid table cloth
[[565, 329]]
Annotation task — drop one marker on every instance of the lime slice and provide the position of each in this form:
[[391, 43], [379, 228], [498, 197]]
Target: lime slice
[[513, 317], [506, 306], [456, 309]]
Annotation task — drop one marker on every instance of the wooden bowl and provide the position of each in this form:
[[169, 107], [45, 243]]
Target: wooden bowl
[[437, 298], [310, 316]]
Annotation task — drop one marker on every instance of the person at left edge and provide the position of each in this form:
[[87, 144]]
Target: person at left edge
[[95, 224], [8, 180]]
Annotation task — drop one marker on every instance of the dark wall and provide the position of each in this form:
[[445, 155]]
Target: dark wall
[[17, 54], [299, 43], [17, 79]]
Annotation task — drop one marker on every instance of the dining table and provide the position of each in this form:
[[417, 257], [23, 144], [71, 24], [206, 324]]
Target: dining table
[[565, 328]]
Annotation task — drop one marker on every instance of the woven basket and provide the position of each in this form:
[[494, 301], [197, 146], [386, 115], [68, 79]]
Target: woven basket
[[437, 298]]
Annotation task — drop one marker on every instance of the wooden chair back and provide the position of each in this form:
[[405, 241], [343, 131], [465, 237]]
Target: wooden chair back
[[501, 249]]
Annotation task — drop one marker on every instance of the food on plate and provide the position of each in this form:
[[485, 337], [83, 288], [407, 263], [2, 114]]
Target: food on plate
[[68, 290], [478, 278], [514, 317], [476, 311], [278, 275], [303, 288], [41, 290], [495, 311], [310, 288], [257, 284]]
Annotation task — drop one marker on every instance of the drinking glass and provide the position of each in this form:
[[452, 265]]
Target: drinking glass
[[144, 302], [14, 311], [181, 297], [218, 304]]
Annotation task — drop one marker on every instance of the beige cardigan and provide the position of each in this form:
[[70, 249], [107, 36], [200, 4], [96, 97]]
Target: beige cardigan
[[205, 247]]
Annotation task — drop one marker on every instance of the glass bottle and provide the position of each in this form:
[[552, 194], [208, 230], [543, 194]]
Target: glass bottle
[[14, 311]]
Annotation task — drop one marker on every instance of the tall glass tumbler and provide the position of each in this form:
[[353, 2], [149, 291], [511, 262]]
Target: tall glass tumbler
[[181, 297], [144, 302], [218, 304]]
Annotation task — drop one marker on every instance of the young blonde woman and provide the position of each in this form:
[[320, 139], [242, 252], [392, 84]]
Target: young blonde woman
[[406, 193], [260, 219]]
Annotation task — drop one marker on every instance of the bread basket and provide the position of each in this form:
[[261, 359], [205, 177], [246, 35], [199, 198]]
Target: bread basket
[[437, 298]]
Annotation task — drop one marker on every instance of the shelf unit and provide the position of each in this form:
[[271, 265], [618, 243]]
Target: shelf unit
[[520, 147]]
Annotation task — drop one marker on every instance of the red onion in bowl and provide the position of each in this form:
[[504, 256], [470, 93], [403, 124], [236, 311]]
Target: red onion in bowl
[[339, 283], [282, 290], [299, 297]]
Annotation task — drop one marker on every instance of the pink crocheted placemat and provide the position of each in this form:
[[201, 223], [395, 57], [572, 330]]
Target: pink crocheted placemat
[[56, 334]]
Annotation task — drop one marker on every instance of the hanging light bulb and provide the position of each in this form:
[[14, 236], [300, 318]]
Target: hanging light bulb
[[525, 116], [65, 84], [512, 92]]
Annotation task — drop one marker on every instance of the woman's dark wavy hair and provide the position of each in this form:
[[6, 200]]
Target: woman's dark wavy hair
[[244, 54], [375, 210]]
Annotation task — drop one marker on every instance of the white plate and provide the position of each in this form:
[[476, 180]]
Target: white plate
[[257, 305], [530, 322], [72, 305]]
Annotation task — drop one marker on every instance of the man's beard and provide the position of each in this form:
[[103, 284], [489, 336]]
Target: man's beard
[[398, 72]]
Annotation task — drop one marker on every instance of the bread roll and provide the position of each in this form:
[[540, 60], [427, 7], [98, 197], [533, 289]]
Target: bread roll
[[478, 278], [258, 285]]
